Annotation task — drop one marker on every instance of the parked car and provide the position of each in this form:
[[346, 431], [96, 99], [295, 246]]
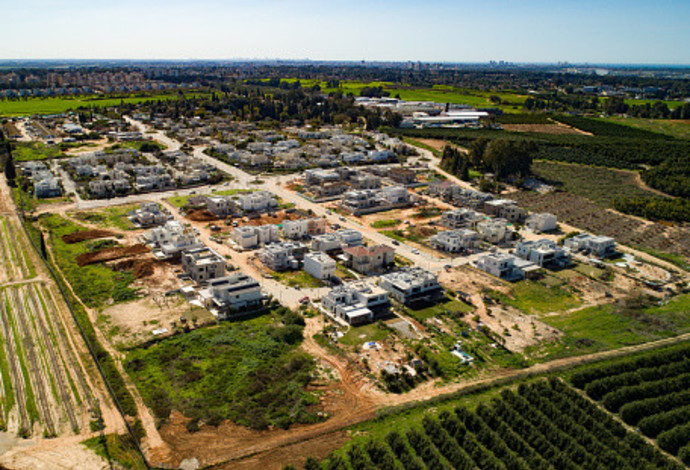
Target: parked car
[[396, 242], [304, 300]]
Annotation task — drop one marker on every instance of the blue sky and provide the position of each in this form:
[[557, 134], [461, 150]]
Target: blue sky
[[603, 31]]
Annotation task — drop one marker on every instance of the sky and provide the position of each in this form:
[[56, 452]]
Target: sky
[[578, 31]]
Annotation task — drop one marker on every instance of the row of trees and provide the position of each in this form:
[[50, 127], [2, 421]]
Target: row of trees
[[543, 425], [503, 157], [656, 208]]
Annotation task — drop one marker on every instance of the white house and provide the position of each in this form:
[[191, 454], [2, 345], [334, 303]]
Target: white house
[[455, 240], [257, 201], [294, 229], [494, 231], [350, 237], [355, 302], [411, 284], [319, 265], [500, 265], [593, 244], [541, 222], [327, 242], [545, 253]]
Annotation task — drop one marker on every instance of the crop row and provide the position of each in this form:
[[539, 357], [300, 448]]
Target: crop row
[[543, 425], [42, 384], [14, 262], [651, 392]]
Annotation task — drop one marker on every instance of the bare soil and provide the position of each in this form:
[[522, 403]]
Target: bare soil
[[543, 128], [111, 254], [84, 235]]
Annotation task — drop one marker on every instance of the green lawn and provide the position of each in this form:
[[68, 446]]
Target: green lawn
[[385, 223], [62, 104], [613, 326], [111, 217], [94, 284], [250, 372], [536, 297], [181, 201], [26, 151], [363, 334], [297, 279], [445, 306]]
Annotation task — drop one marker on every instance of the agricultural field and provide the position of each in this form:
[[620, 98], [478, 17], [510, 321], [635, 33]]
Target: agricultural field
[[538, 425], [599, 185], [43, 387], [679, 129], [31, 106], [648, 392], [15, 263]]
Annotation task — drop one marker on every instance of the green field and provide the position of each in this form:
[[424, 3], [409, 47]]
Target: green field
[[94, 284], [363, 334], [539, 297], [181, 201], [297, 279], [251, 372], [438, 93], [445, 306], [673, 127], [109, 217], [31, 106], [613, 326], [385, 223], [599, 185], [26, 151]]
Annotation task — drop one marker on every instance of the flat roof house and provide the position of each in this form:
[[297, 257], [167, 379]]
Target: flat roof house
[[541, 222], [203, 264], [228, 294], [356, 303], [454, 241], [593, 244], [282, 256], [411, 284], [500, 265], [544, 253], [319, 265]]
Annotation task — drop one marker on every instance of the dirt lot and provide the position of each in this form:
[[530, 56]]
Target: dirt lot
[[134, 322], [84, 235], [111, 254]]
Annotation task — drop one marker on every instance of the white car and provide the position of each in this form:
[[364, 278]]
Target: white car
[[415, 251]]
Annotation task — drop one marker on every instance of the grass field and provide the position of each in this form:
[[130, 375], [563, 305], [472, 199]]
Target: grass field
[[31, 106], [250, 372], [27, 151], [385, 223], [118, 448], [363, 334], [297, 279], [539, 297], [181, 201], [675, 128], [110, 217], [94, 284], [512, 102], [446, 306], [599, 185], [613, 326]]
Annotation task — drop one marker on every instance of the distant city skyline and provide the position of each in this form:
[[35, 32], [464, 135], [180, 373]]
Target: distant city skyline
[[586, 31]]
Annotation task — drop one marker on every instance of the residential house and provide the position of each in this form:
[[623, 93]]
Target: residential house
[[505, 209], [460, 218], [148, 214], [349, 237], [356, 303], [501, 265], [282, 256], [319, 265], [47, 187], [544, 253], [328, 242], [542, 222], [257, 201], [369, 260], [454, 241], [220, 206], [495, 231], [226, 295], [203, 264], [172, 239], [411, 285], [596, 245], [395, 195]]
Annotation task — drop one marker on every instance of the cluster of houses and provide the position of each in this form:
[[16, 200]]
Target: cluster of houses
[[190, 171], [45, 183], [363, 301], [328, 183], [224, 295], [122, 171], [301, 148], [367, 201]]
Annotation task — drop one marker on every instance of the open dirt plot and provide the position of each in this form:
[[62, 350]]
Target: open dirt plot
[[111, 254], [135, 322], [84, 235]]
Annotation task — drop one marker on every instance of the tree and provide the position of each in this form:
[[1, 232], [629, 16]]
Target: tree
[[507, 158], [10, 171]]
